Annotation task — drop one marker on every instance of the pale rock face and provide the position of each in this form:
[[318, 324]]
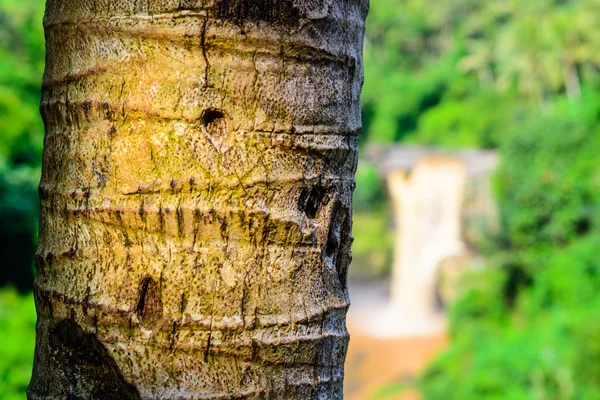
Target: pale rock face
[[196, 198]]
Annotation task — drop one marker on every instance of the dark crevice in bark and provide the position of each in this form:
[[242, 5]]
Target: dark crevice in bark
[[345, 256], [149, 307], [332, 244], [311, 200], [183, 303], [339, 242], [180, 221]]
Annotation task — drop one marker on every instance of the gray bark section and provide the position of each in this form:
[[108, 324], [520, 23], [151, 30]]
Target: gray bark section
[[196, 198]]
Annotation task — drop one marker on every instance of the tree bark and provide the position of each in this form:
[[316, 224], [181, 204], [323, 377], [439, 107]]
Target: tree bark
[[196, 198]]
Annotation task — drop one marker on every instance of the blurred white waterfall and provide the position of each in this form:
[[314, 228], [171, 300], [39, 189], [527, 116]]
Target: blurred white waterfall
[[437, 197]]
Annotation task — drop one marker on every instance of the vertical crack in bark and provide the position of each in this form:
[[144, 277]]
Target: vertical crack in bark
[[210, 328], [204, 53]]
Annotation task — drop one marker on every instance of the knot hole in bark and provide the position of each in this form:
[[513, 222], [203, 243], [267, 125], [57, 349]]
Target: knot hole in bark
[[216, 126], [211, 116], [149, 307], [215, 123]]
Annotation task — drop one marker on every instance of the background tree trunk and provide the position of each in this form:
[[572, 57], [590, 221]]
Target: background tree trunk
[[196, 198]]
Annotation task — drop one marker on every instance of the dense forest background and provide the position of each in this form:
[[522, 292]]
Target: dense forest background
[[520, 76]]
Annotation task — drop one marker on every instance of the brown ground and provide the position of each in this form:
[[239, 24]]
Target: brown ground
[[374, 363]]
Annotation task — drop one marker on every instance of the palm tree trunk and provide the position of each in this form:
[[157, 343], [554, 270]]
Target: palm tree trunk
[[196, 198]]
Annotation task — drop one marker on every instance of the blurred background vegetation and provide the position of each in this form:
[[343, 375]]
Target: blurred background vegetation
[[21, 138], [520, 76]]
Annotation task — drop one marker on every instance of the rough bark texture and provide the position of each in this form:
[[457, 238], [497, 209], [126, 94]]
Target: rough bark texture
[[196, 198]]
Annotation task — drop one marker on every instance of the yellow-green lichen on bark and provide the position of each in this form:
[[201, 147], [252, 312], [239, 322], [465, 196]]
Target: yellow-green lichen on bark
[[196, 197]]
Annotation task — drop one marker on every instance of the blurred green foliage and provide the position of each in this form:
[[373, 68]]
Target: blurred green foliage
[[545, 347], [17, 342], [520, 76], [372, 250], [21, 136], [462, 72], [528, 327], [548, 181]]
